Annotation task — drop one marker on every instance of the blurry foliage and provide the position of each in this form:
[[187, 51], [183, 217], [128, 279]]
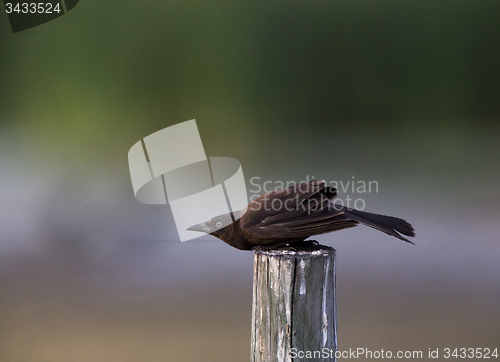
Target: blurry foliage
[[109, 73]]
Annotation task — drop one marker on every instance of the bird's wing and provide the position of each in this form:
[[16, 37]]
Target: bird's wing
[[291, 201], [296, 212], [299, 200], [312, 222]]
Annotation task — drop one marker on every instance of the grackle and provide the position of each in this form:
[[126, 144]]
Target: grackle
[[292, 215]]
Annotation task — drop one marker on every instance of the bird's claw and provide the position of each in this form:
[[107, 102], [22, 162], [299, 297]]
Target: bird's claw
[[290, 248]]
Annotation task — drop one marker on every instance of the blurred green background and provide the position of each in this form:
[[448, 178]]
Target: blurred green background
[[405, 93]]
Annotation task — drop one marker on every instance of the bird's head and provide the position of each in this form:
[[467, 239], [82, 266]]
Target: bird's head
[[214, 224], [226, 228]]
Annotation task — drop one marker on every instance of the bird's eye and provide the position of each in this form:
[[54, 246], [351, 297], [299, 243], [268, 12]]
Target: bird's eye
[[219, 224]]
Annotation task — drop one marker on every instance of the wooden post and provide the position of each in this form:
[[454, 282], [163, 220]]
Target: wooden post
[[294, 309]]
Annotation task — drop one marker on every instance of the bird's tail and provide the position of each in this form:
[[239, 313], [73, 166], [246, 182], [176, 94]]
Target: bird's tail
[[388, 224]]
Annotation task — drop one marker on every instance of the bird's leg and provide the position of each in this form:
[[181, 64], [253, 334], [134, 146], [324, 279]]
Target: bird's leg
[[304, 245], [270, 247], [290, 247], [294, 246], [282, 245]]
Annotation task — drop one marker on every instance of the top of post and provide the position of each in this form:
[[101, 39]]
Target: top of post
[[302, 249]]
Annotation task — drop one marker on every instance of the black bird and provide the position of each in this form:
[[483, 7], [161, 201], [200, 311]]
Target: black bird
[[292, 215]]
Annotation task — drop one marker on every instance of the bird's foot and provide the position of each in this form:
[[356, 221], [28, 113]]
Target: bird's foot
[[306, 245], [289, 247]]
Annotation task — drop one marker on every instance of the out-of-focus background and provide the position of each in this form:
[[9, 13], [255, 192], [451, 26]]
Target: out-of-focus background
[[405, 93]]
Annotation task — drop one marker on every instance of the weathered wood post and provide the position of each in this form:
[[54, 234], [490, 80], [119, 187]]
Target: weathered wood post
[[294, 310]]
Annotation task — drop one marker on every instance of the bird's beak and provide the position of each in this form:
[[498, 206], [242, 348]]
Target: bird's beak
[[202, 228]]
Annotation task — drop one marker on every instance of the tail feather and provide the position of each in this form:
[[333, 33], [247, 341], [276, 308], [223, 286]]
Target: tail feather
[[388, 224]]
